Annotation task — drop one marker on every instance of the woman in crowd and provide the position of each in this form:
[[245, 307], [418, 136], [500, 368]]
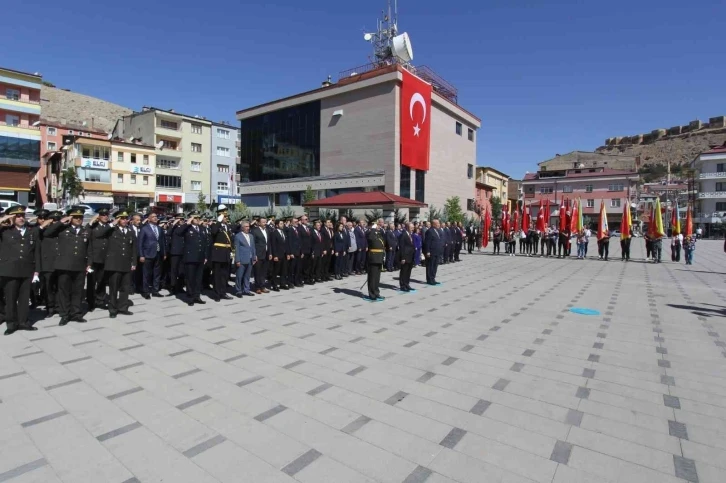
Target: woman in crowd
[[417, 244], [581, 243], [689, 246], [497, 239], [340, 249]]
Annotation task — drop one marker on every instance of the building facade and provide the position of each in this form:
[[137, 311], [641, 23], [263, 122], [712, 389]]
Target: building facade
[[710, 181], [490, 182], [19, 134], [223, 166], [133, 175], [336, 136], [92, 161], [183, 155]]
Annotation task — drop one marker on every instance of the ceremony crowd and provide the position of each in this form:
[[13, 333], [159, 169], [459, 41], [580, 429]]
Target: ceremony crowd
[[57, 262]]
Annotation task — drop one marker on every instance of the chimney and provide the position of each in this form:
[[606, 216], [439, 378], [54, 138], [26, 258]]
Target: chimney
[[328, 82]]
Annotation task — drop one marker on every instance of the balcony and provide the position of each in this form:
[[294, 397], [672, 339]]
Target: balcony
[[19, 126], [712, 175], [712, 194], [168, 148], [222, 192], [10, 103], [168, 130]]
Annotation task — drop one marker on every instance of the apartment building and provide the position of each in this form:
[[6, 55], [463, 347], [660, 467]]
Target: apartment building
[[19, 133], [133, 174], [710, 180], [224, 151], [183, 147], [490, 182], [91, 159]]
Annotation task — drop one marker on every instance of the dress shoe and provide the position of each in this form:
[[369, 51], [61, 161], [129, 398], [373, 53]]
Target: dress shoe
[[299, 285], [226, 297], [80, 320], [285, 287], [258, 292], [216, 299], [146, 296], [64, 321], [275, 289], [112, 316], [9, 331], [249, 293], [264, 290], [29, 328], [156, 294], [198, 300], [190, 303], [125, 312], [131, 303], [238, 295]]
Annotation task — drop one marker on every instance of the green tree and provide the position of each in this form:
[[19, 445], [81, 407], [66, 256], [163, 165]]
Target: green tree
[[331, 215], [435, 214], [452, 209], [201, 203], [496, 203], [373, 216], [72, 184], [238, 211], [309, 195], [398, 218], [348, 214], [287, 212]]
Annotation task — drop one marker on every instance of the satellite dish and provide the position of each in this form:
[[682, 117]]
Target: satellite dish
[[402, 48], [110, 136], [160, 144], [367, 37], [85, 123], [131, 139]]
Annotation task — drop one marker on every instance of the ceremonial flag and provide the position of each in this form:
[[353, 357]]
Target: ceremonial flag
[[689, 221], [575, 220], [563, 216], [516, 220], [651, 223], [658, 224], [547, 213], [487, 227], [525, 218], [602, 225], [626, 222], [505, 219], [675, 220], [541, 217]]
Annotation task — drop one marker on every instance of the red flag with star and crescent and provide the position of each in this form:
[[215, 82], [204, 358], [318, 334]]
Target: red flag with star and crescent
[[415, 122]]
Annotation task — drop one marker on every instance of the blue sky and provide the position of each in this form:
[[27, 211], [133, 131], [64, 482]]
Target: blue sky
[[544, 77]]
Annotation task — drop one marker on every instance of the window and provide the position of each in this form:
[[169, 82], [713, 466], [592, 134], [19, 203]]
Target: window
[[18, 148], [720, 206], [405, 184], [197, 148], [146, 159], [51, 146], [222, 187], [590, 204], [85, 152], [120, 178], [51, 131], [169, 125], [615, 203], [70, 132], [120, 157], [133, 158], [12, 120], [166, 181], [588, 188], [470, 134], [133, 179], [146, 180], [470, 171], [12, 94], [196, 166], [196, 129], [567, 189], [720, 167], [615, 187], [459, 127], [420, 185], [720, 186], [222, 133], [96, 153], [545, 190], [221, 151], [196, 186], [222, 168], [166, 163], [168, 144]]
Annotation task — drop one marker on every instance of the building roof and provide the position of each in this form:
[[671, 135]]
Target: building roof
[[195, 118], [308, 179], [589, 159], [716, 150], [21, 72], [363, 198], [571, 175], [489, 168]]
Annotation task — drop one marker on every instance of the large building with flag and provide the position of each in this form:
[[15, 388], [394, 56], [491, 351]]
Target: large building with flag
[[394, 128]]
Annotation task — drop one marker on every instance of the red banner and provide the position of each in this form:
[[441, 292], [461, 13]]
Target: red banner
[[541, 217], [415, 122]]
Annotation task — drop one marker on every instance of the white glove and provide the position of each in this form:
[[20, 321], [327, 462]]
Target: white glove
[[220, 218], [36, 279]]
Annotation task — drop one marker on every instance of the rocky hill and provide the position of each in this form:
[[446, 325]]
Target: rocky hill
[[679, 145], [73, 109]]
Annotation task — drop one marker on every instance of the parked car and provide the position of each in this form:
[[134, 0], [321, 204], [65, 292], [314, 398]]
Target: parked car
[[615, 233], [5, 204]]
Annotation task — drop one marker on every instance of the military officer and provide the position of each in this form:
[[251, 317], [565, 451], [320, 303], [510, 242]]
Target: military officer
[[221, 252], [120, 262], [195, 256], [376, 249], [72, 264], [176, 252], [19, 259], [96, 279], [48, 255]]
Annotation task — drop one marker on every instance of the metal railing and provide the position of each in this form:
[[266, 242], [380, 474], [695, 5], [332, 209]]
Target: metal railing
[[720, 174], [162, 126], [18, 99], [3, 123]]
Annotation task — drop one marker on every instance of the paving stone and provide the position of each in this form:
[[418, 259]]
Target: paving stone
[[453, 438], [561, 452], [677, 429], [685, 468], [480, 407]]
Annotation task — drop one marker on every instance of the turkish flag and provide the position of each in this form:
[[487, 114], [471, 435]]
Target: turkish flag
[[415, 122], [541, 217]]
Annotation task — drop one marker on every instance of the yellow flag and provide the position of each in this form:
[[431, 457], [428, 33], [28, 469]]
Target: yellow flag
[[658, 214]]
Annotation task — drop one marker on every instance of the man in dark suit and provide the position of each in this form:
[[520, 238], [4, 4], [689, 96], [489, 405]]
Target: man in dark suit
[[470, 237], [406, 251], [433, 247], [121, 256], [19, 259], [306, 247], [195, 256], [137, 278], [458, 240], [221, 252], [294, 248], [280, 257], [317, 252], [96, 278], [346, 241], [152, 252], [327, 234], [245, 258], [262, 248], [70, 268], [362, 246], [391, 247]]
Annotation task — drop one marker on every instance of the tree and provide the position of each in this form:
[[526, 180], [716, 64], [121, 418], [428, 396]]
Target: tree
[[398, 218], [238, 211], [287, 212], [201, 203], [452, 210], [331, 215], [435, 214], [348, 214], [496, 203], [309, 195], [72, 184]]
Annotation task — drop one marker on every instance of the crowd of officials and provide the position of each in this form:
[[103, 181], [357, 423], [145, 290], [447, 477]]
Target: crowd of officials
[[56, 261]]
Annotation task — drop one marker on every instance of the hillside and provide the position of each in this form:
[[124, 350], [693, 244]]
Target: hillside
[[70, 108]]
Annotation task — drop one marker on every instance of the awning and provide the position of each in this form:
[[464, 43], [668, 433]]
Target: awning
[[103, 200], [362, 199]]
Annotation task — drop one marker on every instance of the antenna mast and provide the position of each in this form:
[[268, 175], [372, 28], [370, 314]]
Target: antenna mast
[[382, 39]]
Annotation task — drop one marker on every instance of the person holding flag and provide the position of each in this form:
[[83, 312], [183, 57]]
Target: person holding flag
[[657, 232], [676, 236], [689, 242], [625, 232], [603, 234], [564, 236]]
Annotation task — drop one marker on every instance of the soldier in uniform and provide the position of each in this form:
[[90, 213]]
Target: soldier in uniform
[[376, 249], [221, 236], [96, 279], [72, 264], [195, 256], [48, 255], [176, 252], [120, 263], [19, 259]]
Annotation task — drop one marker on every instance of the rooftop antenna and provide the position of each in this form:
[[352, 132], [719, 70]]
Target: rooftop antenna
[[389, 47]]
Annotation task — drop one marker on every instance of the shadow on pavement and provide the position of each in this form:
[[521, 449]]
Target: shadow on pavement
[[702, 311]]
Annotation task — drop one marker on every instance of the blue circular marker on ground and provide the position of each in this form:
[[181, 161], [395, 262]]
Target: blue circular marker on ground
[[583, 311]]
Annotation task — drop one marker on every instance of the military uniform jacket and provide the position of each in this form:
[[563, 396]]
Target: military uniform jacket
[[221, 240], [195, 249], [19, 254], [121, 249], [48, 250], [98, 243], [176, 235], [72, 247], [376, 246]]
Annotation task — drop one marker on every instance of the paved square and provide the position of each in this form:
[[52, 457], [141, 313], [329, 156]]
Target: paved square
[[486, 378]]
